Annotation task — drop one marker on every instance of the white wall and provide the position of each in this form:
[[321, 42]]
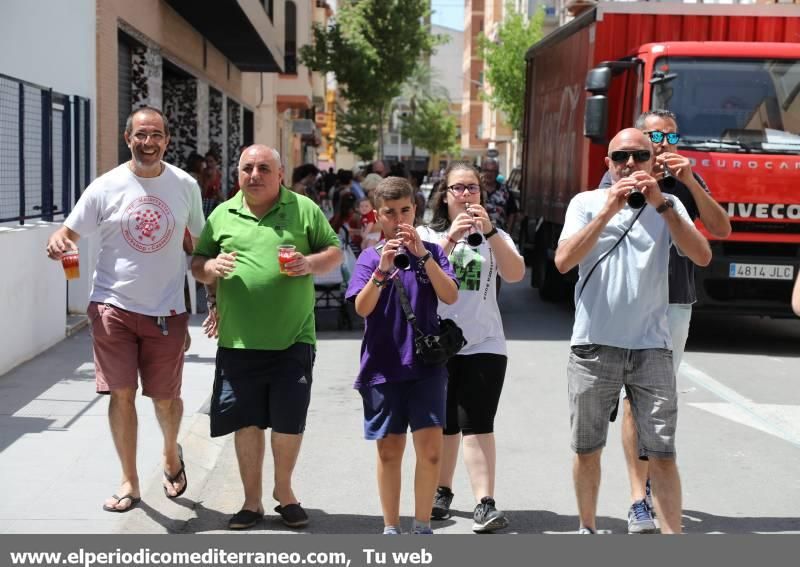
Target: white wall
[[32, 295], [51, 43]]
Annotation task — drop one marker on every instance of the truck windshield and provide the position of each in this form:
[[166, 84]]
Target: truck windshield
[[733, 105]]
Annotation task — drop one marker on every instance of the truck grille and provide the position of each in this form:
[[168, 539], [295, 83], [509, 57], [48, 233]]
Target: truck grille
[[737, 290], [766, 249], [768, 227]]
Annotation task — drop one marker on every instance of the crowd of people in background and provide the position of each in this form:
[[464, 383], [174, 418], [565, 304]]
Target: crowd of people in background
[[347, 196]]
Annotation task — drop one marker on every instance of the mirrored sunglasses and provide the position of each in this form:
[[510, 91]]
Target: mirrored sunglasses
[[657, 136]]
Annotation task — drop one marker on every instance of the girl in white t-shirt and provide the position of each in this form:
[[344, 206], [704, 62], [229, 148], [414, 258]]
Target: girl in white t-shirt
[[477, 372]]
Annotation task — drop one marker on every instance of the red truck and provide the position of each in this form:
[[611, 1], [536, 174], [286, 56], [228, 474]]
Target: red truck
[[731, 74]]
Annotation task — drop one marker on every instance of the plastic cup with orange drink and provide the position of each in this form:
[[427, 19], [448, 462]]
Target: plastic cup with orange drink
[[285, 255], [70, 261]]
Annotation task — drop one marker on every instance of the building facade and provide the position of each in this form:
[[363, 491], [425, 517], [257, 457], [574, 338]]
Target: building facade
[[70, 73]]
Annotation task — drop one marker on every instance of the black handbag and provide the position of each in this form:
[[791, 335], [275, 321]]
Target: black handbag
[[432, 350]]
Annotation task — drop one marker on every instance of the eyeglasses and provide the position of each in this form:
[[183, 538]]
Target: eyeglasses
[[622, 156], [657, 136], [460, 188], [157, 137]]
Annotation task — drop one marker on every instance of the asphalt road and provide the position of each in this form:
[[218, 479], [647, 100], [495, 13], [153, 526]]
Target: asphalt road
[[738, 439]]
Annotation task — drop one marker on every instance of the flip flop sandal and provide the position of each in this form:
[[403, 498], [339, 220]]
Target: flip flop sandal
[[173, 479], [134, 501]]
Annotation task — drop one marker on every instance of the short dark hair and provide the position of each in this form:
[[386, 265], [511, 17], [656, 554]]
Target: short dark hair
[[398, 169], [441, 218], [302, 171], [129, 121], [392, 189], [657, 112], [194, 163], [344, 176]]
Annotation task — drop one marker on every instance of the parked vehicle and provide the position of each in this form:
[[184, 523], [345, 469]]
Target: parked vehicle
[[732, 77]]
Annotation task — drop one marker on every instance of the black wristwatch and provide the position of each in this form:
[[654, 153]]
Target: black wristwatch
[[491, 233], [422, 260], [667, 204]]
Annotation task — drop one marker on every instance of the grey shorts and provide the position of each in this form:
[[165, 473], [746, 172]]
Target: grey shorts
[[596, 373]]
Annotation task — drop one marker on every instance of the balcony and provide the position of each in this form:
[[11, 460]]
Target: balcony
[[240, 29]]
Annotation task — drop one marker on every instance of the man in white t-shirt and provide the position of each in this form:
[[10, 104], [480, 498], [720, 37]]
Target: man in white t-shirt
[[621, 335], [137, 312]]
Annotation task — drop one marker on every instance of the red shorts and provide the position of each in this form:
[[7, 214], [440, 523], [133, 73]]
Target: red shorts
[[126, 344]]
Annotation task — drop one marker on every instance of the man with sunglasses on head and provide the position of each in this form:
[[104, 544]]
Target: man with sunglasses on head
[[676, 177], [621, 335]]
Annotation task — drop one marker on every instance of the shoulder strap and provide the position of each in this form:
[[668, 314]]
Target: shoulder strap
[[404, 303], [604, 256]]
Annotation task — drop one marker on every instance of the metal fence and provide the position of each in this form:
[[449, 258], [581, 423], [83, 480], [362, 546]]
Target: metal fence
[[44, 151]]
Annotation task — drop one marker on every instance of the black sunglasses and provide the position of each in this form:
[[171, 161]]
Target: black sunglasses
[[622, 156], [657, 136]]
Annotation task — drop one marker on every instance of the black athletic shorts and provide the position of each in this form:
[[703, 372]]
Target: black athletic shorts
[[474, 384], [262, 388]]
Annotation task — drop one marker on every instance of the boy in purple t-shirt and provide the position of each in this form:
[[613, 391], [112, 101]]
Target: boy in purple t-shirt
[[397, 389]]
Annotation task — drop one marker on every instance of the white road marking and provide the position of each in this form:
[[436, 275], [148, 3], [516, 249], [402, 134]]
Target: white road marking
[[782, 421]]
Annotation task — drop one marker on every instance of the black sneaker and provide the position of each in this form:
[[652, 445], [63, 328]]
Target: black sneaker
[[487, 517], [441, 503]]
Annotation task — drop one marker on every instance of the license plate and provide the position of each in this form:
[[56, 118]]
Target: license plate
[[761, 271]]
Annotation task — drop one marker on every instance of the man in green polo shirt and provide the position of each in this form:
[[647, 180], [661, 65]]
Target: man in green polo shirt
[[265, 323]]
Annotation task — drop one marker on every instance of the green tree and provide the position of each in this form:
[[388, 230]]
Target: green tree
[[505, 62], [357, 131], [371, 48], [420, 85], [432, 127]]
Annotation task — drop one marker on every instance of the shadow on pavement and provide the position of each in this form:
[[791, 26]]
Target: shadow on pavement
[[527, 318], [22, 390], [522, 521], [209, 520], [744, 335], [695, 522]]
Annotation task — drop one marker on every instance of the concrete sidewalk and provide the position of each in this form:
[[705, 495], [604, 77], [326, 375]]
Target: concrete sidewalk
[[57, 459]]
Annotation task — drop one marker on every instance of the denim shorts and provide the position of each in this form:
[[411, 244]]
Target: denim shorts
[[396, 407], [595, 374]]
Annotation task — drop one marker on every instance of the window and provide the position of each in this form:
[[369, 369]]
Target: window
[[737, 104], [290, 46], [269, 8]]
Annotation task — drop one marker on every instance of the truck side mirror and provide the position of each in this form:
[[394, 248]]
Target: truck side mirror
[[595, 118], [598, 80]]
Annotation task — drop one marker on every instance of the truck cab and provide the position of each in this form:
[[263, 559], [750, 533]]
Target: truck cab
[[738, 109]]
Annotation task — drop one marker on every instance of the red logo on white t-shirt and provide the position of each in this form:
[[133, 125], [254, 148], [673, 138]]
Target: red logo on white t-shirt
[[148, 224]]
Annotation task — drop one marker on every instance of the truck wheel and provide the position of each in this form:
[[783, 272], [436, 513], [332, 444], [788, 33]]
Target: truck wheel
[[552, 286], [525, 248], [545, 276]]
